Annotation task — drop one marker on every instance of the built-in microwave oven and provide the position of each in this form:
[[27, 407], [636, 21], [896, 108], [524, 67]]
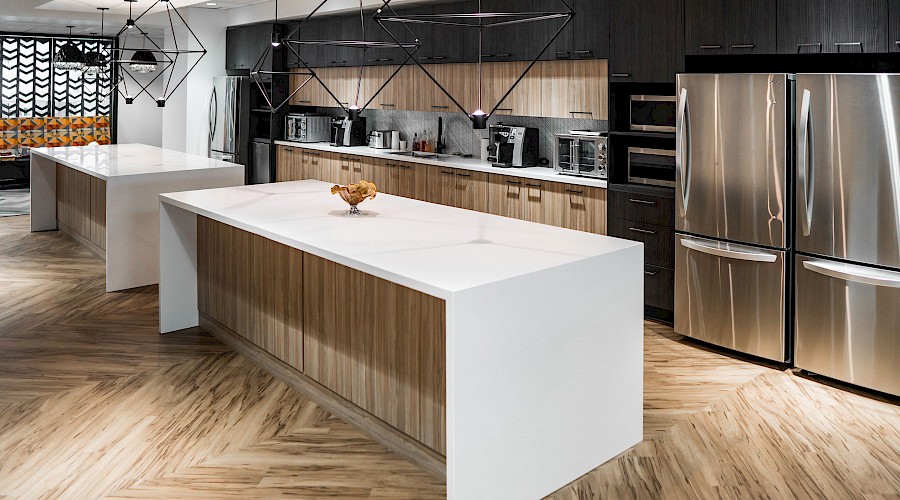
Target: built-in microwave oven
[[653, 113], [651, 166]]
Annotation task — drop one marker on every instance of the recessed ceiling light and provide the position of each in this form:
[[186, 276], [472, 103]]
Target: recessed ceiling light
[[211, 4]]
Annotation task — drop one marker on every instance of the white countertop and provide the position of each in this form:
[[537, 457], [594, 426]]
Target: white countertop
[[118, 160], [432, 248], [475, 164]]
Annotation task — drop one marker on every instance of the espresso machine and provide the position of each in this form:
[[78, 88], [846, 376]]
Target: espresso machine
[[513, 146], [346, 132]]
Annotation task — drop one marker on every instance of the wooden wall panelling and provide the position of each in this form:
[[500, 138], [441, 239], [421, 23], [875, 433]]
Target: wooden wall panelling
[[379, 345], [252, 285], [81, 207]]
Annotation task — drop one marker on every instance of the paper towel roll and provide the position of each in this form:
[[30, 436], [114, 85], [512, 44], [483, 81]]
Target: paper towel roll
[[395, 139], [485, 142]]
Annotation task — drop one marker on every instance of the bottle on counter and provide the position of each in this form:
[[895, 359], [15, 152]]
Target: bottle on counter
[[415, 143], [426, 139]]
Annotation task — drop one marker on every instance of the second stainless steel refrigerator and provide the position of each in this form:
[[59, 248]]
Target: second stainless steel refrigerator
[[848, 230], [733, 211]]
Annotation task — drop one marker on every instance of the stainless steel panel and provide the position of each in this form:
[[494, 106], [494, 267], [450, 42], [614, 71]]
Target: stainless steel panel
[[730, 295], [732, 157], [260, 171], [848, 323], [848, 167]]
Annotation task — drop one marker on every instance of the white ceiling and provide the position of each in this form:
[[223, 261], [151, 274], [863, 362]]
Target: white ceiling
[[121, 7]]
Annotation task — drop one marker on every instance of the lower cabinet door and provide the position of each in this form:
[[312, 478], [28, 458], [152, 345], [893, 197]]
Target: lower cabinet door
[[658, 287], [731, 295], [848, 323]]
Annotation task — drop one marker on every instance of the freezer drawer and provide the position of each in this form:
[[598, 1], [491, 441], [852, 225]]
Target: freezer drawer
[[731, 296], [848, 323], [732, 174], [848, 167]]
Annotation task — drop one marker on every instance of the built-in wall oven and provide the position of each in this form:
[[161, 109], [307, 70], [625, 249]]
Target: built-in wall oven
[[653, 113], [651, 166]]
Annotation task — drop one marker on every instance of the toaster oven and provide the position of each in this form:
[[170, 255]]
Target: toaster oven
[[580, 155], [307, 128]]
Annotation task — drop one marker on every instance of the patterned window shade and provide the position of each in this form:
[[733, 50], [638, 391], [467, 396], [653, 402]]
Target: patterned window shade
[[31, 87]]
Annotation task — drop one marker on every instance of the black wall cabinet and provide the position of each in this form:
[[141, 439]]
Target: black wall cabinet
[[832, 26], [646, 40], [586, 36], [894, 26], [245, 44], [729, 27]]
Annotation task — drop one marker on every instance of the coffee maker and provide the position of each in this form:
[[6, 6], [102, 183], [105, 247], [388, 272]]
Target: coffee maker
[[513, 146], [346, 132]]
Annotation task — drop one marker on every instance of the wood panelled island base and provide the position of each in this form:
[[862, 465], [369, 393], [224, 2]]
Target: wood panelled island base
[[501, 354]]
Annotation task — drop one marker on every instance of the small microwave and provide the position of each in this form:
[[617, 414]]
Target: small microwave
[[651, 166], [653, 113]]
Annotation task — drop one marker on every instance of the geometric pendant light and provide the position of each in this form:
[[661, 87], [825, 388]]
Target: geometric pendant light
[[149, 57], [97, 61], [477, 23], [69, 57], [356, 105]]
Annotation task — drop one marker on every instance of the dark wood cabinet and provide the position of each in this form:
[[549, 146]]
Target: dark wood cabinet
[[646, 40], [245, 44], [514, 42], [729, 27], [452, 44], [585, 37], [894, 25], [647, 214], [832, 26], [313, 55]]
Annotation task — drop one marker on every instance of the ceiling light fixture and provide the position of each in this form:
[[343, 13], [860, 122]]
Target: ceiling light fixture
[[96, 61], [69, 57], [484, 21], [211, 4], [150, 57]]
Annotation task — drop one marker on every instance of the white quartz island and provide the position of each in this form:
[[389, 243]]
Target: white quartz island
[[107, 198], [507, 351]]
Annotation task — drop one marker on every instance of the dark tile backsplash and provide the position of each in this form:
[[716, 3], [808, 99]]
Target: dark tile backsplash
[[458, 132]]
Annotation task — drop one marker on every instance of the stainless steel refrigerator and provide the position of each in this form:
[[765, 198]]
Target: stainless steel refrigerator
[[225, 117], [848, 232], [733, 211]]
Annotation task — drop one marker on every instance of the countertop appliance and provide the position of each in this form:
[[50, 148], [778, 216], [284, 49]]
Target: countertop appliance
[[303, 127], [380, 139], [733, 192], [346, 132], [229, 120], [653, 113], [581, 155], [848, 232], [655, 167], [513, 146]]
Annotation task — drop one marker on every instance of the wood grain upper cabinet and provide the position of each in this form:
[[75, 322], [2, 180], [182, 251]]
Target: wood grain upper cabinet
[[647, 42], [817, 26], [857, 26], [729, 27], [574, 89], [894, 25], [460, 80], [525, 98], [591, 27]]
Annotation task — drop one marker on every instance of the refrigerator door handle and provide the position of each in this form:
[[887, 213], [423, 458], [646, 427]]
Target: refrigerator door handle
[[683, 149], [213, 112], [805, 162], [752, 256], [850, 272]]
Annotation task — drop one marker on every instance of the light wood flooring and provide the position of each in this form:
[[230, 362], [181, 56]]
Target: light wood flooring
[[95, 404]]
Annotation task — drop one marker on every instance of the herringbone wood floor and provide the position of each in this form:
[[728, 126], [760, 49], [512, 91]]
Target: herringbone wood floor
[[94, 403]]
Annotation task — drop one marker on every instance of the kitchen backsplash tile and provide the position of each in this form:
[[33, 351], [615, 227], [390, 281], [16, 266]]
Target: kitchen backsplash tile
[[458, 132]]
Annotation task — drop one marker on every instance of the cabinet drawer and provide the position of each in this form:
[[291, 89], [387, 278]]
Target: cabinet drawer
[[659, 287], [658, 241], [642, 207]]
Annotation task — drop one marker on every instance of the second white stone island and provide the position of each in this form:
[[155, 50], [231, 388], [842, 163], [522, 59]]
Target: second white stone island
[[107, 198], [503, 354]]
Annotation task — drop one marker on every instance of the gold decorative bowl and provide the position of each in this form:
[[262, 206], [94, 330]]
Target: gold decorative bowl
[[354, 194]]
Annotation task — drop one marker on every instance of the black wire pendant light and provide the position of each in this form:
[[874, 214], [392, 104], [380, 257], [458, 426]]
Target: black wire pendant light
[[477, 22], [97, 61], [150, 57], [357, 105], [69, 57]]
